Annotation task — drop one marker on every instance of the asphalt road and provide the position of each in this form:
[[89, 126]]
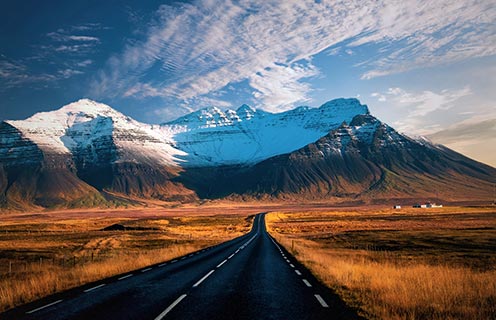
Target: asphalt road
[[250, 277]]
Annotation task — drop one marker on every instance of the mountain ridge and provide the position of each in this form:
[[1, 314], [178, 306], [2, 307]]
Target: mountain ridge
[[214, 137], [364, 159], [88, 154]]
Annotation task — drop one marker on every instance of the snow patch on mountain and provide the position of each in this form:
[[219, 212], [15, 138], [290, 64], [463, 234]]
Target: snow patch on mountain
[[213, 137], [94, 133], [82, 127]]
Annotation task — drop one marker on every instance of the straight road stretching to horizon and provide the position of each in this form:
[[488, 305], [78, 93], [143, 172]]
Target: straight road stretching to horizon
[[250, 277]]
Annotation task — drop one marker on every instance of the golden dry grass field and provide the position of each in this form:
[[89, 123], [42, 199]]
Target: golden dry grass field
[[437, 263], [44, 253]]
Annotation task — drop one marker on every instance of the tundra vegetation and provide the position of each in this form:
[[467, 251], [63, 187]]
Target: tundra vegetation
[[399, 264], [43, 254]]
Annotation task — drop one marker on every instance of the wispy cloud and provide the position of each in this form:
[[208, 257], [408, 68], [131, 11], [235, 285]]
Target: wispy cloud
[[89, 26], [16, 73], [426, 33], [202, 47], [84, 63], [62, 36], [74, 48], [84, 38], [279, 86], [64, 41], [420, 105], [63, 55], [67, 73], [380, 97]]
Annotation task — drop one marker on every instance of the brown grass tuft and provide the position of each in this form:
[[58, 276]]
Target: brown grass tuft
[[390, 285], [41, 256], [37, 280]]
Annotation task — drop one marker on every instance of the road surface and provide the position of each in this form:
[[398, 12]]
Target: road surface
[[250, 277]]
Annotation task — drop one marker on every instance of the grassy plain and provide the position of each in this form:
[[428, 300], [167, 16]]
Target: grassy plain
[[44, 253], [400, 264]]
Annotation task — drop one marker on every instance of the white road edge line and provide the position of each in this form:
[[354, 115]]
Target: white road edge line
[[203, 279], [125, 277], [298, 272], [94, 288], [147, 269], [220, 264], [45, 306], [307, 283], [169, 308], [322, 302]]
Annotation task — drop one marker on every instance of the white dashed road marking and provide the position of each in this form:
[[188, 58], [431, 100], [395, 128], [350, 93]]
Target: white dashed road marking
[[220, 264], [125, 277], [45, 306], [94, 288], [147, 269], [203, 279], [322, 302], [298, 272], [307, 283], [169, 308]]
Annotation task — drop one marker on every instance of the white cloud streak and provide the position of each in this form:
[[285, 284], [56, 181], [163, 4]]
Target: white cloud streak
[[427, 101], [200, 48], [60, 36], [65, 56], [420, 106], [16, 73]]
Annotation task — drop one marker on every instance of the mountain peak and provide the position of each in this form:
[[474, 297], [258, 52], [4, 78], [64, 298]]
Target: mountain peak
[[245, 108], [348, 105], [88, 106], [363, 119], [246, 112]]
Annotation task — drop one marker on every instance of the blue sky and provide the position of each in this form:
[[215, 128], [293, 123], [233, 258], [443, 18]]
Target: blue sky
[[422, 66]]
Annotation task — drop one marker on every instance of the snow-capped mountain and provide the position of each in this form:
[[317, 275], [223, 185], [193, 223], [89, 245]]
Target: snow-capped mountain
[[95, 132], [213, 137], [87, 154], [364, 159], [72, 154]]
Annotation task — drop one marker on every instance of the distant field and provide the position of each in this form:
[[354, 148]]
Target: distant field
[[400, 264], [41, 254]]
